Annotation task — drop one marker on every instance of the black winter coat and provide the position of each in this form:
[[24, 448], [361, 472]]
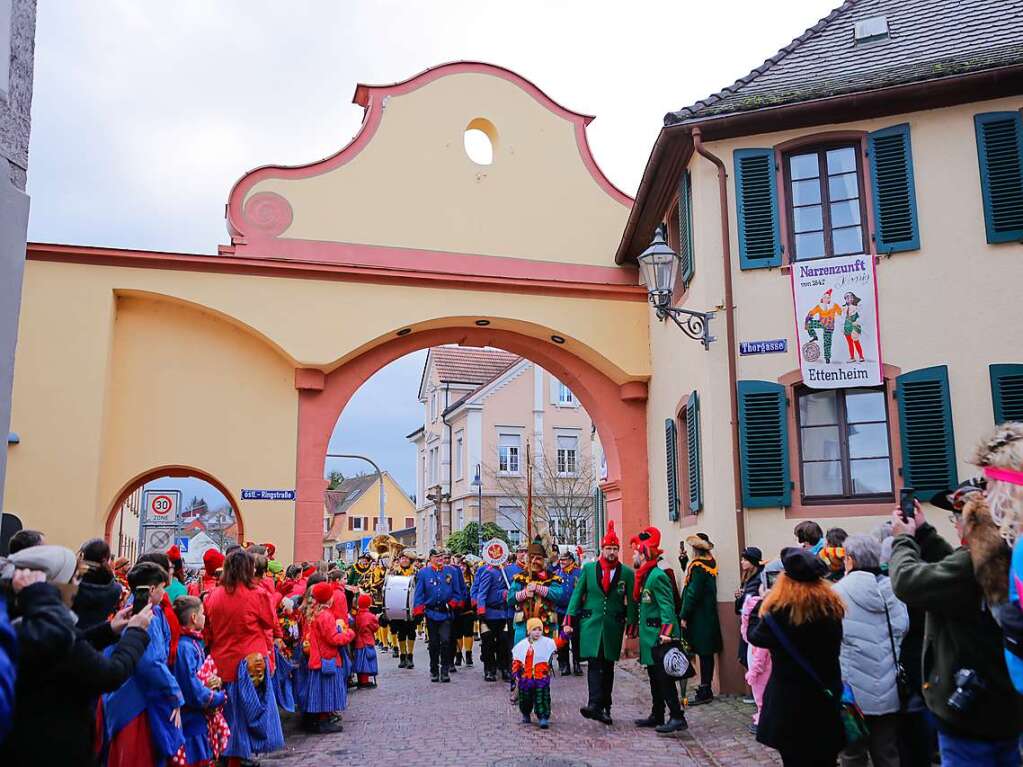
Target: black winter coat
[[60, 677], [95, 602], [797, 716]]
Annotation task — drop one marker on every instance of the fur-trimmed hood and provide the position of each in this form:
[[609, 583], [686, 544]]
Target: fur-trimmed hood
[[988, 551]]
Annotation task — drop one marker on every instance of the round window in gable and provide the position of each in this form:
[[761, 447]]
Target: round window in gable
[[480, 141]]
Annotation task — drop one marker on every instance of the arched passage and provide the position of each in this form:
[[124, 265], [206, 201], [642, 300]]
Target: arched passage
[[169, 471], [617, 410]]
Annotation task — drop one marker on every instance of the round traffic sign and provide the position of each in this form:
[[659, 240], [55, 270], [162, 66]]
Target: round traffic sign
[[161, 505]]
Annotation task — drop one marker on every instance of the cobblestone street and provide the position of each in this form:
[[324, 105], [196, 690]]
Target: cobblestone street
[[408, 720]]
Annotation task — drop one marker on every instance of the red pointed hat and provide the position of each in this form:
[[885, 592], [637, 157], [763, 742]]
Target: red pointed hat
[[212, 561], [174, 553], [270, 550], [610, 537], [648, 539]]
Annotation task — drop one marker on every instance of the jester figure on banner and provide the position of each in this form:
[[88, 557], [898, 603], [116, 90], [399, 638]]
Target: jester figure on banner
[[822, 317], [535, 593]]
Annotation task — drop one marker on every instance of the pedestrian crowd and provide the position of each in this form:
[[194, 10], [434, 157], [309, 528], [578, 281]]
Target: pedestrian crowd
[[893, 648]]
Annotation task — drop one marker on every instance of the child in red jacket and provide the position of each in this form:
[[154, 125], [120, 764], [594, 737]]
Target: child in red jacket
[[326, 688], [366, 626]]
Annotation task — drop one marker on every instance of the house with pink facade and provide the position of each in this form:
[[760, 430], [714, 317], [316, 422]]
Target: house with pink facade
[[483, 410]]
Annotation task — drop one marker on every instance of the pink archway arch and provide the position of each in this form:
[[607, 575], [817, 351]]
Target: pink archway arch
[[618, 411]]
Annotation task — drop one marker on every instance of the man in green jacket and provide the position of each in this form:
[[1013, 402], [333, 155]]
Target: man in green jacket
[[602, 610], [977, 723], [657, 625], [699, 615]]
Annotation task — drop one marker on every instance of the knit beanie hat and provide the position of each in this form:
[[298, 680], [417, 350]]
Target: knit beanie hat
[[212, 561], [802, 565], [322, 592], [59, 564], [365, 600], [534, 623], [275, 567]]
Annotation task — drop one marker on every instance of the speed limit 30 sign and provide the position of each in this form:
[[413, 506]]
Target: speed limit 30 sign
[[161, 507]]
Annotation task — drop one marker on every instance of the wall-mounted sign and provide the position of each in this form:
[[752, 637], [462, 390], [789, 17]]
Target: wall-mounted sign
[[772, 346], [268, 495], [160, 507], [837, 330]]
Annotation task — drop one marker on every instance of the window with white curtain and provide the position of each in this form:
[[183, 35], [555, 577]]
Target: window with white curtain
[[568, 454], [511, 518], [459, 443], [565, 396], [509, 446]]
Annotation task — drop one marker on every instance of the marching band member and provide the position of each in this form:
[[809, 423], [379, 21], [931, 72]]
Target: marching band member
[[405, 631], [465, 621], [535, 593], [491, 587], [440, 594]]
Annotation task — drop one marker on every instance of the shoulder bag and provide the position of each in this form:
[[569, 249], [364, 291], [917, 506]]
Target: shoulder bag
[[853, 723], [907, 700]]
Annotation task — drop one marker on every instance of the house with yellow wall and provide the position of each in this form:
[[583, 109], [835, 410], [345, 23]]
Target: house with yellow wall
[[352, 514]]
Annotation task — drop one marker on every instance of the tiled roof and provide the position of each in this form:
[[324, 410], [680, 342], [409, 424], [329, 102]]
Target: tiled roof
[[348, 492], [928, 39], [457, 364]]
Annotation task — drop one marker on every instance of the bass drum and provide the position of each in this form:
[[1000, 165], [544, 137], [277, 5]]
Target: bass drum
[[398, 592]]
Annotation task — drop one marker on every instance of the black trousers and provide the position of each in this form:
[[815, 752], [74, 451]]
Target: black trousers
[[497, 645], [572, 644], [707, 669], [442, 652], [663, 692], [464, 625], [404, 630], [600, 680]]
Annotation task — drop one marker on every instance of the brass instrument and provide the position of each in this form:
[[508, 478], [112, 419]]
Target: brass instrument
[[385, 544]]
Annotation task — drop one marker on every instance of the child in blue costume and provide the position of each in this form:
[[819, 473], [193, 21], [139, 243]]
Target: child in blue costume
[[199, 698], [142, 719]]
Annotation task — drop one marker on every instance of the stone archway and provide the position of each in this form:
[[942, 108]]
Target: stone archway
[[170, 471], [618, 411]]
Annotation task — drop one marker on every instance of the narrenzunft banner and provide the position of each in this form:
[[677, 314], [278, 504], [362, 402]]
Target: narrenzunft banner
[[839, 342]]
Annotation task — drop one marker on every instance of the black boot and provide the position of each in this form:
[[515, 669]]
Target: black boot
[[505, 675], [577, 669], [564, 670], [650, 721], [435, 677], [606, 719], [444, 675], [395, 653], [673, 725], [402, 663], [408, 661], [468, 658], [489, 675], [703, 695], [458, 658]]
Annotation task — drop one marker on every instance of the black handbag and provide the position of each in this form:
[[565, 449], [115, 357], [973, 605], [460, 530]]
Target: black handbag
[[902, 685]]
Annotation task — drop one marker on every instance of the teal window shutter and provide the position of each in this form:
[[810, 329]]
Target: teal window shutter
[[764, 444], [894, 193], [925, 423], [1000, 152], [693, 454], [1007, 392], [685, 228], [756, 201], [671, 451]]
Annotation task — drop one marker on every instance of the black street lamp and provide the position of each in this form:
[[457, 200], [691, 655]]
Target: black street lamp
[[658, 265], [477, 482]]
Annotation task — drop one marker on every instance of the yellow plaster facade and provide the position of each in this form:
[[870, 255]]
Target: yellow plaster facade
[[129, 361]]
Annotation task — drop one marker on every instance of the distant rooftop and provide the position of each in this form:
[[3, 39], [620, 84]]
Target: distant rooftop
[[866, 45], [458, 364]]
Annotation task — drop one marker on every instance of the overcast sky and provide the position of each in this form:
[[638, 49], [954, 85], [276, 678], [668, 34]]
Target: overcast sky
[[145, 114]]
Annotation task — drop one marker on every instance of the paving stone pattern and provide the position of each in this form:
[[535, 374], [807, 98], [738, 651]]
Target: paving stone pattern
[[408, 720]]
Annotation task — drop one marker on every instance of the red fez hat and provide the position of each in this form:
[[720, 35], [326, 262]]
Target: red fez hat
[[174, 553], [322, 592], [610, 537], [212, 561]]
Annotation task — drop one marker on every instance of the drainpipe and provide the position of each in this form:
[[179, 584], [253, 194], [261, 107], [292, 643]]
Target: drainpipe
[[451, 459], [726, 265]]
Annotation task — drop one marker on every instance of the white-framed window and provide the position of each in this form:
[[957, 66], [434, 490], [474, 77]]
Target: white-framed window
[[326, 525], [459, 445], [565, 396], [571, 530], [460, 517], [434, 465], [355, 523], [509, 446], [568, 455], [511, 518], [433, 406]]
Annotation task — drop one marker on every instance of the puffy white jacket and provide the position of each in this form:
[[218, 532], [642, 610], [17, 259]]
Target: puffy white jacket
[[866, 657]]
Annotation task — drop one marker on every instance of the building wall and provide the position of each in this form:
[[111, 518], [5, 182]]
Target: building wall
[[952, 302], [17, 47], [397, 508]]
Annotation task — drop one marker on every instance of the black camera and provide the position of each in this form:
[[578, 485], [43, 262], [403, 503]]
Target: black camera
[[968, 686]]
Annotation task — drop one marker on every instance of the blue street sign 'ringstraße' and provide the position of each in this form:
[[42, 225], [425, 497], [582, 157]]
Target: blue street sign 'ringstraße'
[[268, 495], [763, 347]]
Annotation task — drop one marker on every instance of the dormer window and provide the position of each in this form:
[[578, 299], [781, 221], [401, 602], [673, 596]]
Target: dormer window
[[871, 30]]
